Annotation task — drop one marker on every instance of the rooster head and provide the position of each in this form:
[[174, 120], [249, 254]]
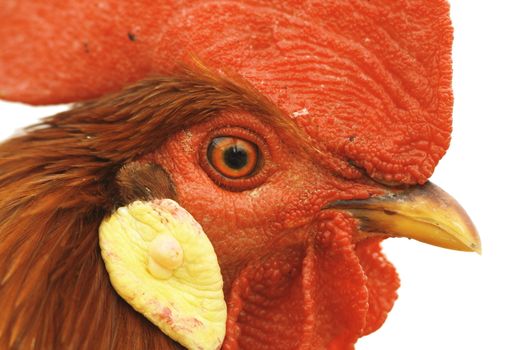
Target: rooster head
[[299, 135]]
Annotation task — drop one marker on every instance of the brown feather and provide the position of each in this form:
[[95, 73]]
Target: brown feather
[[143, 181], [58, 181]]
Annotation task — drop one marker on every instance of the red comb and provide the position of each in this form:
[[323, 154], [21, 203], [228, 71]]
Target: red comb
[[377, 74]]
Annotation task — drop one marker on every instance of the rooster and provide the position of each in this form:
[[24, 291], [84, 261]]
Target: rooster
[[298, 134]]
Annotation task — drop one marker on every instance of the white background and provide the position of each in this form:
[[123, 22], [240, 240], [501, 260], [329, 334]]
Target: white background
[[451, 300]]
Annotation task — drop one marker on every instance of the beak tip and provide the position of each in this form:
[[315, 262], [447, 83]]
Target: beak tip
[[476, 248]]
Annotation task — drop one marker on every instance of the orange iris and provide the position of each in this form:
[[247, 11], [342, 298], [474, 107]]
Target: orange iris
[[233, 157]]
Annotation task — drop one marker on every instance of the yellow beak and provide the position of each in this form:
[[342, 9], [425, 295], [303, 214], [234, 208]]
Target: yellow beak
[[425, 213]]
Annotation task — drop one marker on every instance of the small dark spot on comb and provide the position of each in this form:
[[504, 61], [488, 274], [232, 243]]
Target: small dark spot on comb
[[132, 37], [85, 45], [351, 138]]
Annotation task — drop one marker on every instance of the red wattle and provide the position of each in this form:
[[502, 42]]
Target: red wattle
[[314, 295]]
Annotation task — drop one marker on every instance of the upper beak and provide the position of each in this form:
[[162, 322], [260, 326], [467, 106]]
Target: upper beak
[[425, 213]]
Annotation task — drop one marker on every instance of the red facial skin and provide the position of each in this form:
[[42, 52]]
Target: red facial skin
[[293, 277], [368, 82]]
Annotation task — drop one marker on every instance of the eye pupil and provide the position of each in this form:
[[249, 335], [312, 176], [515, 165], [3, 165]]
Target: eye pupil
[[235, 157]]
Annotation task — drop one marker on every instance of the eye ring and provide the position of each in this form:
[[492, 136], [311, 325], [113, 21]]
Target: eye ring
[[248, 152]]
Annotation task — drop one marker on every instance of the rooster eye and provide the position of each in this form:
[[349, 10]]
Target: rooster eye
[[233, 157]]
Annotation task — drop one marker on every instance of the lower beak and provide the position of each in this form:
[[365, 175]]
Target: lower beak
[[425, 213]]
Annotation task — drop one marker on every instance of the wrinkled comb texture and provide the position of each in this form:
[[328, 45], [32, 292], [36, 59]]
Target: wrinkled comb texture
[[376, 75]]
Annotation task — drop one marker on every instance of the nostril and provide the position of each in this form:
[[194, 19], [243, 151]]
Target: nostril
[[361, 169], [354, 164]]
